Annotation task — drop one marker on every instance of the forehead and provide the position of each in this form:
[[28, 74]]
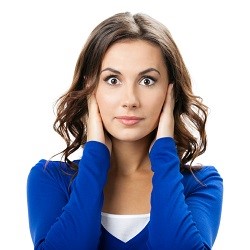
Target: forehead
[[133, 52]]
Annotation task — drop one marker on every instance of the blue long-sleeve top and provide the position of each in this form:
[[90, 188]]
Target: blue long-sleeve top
[[185, 209]]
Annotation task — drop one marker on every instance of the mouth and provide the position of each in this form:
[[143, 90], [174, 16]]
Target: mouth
[[129, 120]]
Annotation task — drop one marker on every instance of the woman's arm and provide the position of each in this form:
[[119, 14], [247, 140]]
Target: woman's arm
[[61, 222], [178, 221], [73, 222]]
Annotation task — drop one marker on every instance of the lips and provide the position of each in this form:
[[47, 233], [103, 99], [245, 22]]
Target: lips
[[129, 120]]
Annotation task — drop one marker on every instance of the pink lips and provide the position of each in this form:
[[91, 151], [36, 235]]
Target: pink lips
[[129, 120]]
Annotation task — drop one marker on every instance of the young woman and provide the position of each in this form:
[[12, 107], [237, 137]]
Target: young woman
[[132, 109]]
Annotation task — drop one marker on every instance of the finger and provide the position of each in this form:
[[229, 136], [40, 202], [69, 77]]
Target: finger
[[169, 103], [92, 105], [94, 123]]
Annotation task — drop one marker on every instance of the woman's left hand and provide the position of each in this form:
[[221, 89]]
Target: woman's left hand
[[166, 121]]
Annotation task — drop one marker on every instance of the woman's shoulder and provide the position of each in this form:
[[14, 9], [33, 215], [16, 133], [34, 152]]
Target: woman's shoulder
[[203, 177], [201, 171], [50, 171], [50, 167]]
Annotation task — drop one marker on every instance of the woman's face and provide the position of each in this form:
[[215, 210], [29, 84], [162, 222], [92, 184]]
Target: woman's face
[[132, 89]]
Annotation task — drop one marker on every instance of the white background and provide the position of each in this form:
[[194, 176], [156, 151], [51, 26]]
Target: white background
[[39, 45]]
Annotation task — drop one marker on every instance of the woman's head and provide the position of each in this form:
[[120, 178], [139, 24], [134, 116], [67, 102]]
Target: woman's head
[[131, 90], [189, 113]]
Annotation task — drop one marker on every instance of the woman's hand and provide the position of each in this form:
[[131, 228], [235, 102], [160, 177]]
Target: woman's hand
[[166, 121], [95, 130]]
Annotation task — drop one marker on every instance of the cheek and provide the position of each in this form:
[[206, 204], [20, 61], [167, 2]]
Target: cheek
[[156, 105]]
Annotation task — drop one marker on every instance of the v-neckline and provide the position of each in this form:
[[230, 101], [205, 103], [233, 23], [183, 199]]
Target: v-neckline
[[110, 238]]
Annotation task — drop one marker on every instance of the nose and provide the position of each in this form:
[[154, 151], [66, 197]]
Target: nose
[[130, 97]]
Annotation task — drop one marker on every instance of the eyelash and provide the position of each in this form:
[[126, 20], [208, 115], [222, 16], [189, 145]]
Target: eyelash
[[106, 79], [151, 79]]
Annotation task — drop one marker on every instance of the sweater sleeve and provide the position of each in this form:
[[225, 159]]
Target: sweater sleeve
[[182, 221], [61, 222]]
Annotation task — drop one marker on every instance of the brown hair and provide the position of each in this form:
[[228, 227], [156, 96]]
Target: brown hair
[[190, 113]]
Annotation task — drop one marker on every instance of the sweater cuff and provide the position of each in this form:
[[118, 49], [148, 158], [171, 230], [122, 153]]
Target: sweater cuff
[[98, 148], [164, 144], [164, 152], [95, 156]]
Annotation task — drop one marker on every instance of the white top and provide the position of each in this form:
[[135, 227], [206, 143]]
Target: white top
[[124, 227]]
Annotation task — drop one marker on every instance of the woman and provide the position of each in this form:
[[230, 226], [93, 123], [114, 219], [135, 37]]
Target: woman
[[132, 109]]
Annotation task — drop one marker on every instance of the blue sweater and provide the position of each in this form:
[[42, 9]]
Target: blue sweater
[[185, 214]]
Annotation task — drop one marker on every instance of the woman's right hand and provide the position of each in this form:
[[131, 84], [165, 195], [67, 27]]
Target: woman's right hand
[[95, 129]]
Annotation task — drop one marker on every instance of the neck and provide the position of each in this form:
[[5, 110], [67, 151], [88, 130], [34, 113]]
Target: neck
[[130, 157]]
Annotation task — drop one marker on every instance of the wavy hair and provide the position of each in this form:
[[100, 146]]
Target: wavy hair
[[190, 113]]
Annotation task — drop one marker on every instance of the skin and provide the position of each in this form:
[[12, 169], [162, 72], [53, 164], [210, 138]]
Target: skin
[[133, 82]]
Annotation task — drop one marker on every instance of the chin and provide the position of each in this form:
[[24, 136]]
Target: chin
[[133, 137]]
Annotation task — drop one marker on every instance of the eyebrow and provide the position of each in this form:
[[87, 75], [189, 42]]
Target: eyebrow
[[141, 73]]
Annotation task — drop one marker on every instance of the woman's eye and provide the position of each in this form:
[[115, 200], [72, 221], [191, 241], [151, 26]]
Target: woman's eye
[[112, 80], [147, 81]]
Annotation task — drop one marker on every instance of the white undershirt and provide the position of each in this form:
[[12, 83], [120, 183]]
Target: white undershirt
[[124, 227]]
